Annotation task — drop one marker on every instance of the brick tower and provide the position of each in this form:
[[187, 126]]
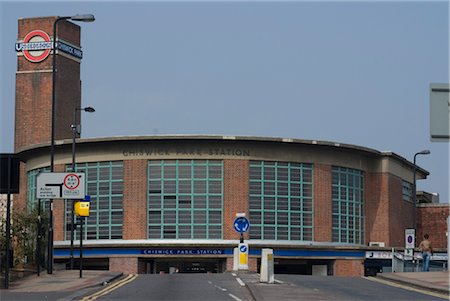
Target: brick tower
[[34, 80]]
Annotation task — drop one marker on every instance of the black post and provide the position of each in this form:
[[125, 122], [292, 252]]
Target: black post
[[38, 239], [81, 246], [8, 225], [72, 233], [242, 238]]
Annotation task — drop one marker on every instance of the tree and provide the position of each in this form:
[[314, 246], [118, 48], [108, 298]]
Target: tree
[[24, 234]]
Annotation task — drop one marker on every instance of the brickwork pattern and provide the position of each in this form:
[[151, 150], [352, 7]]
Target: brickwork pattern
[[236, 188], [135, 199], [322, 202], [126, 265], [433, 220], [34, 88], [401, 213], [349, 267]]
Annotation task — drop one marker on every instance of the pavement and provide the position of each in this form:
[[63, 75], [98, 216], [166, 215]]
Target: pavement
[[62, 280], [431, 281], [66, 280]]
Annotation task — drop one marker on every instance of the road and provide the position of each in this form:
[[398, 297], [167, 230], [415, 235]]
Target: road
[[228, 287], [186, 287]]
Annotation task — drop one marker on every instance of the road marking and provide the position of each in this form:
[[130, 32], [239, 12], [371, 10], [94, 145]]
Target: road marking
[[221, 288], [278, 281], [240, 281], [110, 288], [234, 297], [443, 296], [233, 274]]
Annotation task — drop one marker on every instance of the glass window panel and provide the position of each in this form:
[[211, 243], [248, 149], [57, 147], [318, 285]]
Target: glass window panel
[[185, 172], [215, 217], [269, 232], [199, 172], [215, 202], [215, 187], [170, 171], [282, 233], [269, 203], [199, 186]]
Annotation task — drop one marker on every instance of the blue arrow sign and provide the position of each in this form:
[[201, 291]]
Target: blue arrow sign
[[241, 224]]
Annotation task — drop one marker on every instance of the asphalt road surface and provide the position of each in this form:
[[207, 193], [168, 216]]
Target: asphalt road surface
[[314, 288], [186, 287]]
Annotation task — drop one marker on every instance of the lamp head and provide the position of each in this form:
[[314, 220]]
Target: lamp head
[[83, 18], [89, 109], [425, 152]]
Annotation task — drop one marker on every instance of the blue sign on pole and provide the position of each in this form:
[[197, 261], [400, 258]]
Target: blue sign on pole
[[241, 224]]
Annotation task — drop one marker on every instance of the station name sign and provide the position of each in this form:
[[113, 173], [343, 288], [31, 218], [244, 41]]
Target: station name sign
[[36, 47], [149, 152], [182, 252]]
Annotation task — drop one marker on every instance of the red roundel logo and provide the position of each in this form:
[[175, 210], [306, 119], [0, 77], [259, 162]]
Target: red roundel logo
[[36, 46]]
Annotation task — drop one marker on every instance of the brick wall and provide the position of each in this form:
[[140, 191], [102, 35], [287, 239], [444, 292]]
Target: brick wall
[[135, 199], [34, 88], [376, 207], [432, 219], [349, 267], [126, 265], [401, 213], [322, 203], [236, 185]]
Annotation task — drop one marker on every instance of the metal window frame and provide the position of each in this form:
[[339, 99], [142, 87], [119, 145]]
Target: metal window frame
[[177, 163], [278, 165]]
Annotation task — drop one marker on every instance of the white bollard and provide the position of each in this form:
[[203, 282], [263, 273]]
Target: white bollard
[[267, 271], [235, 259]]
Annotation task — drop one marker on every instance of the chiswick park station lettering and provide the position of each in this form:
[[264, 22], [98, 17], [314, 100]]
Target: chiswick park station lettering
[[149, 152]]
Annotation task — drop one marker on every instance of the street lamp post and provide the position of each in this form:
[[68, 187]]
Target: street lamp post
[[80, 18], [76, 130], [414, 197]]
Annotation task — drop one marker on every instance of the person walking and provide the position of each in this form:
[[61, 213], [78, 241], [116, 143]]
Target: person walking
[[427, 250]]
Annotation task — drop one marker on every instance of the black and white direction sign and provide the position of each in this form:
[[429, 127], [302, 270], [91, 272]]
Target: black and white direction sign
[[60, 185]]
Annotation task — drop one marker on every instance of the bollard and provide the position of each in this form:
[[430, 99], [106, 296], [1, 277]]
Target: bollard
[[267, 271], [235, 259]]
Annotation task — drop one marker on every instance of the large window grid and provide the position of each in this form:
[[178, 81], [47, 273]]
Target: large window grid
[[281, 200], [104, 183], [185, 199], [347, 205]]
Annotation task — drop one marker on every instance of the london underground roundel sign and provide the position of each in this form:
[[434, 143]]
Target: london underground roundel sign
[[36, 46]]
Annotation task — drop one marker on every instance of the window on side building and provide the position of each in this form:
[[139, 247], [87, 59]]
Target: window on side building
[[347, 205]]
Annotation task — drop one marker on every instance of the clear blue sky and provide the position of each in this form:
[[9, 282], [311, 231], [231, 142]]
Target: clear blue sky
[[350, 72]]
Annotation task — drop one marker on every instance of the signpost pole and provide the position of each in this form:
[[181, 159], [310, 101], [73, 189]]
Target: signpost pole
[[8, 225], [81, 246]]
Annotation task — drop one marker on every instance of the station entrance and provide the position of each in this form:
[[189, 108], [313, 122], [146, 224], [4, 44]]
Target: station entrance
[[321, 267], [184, 265]]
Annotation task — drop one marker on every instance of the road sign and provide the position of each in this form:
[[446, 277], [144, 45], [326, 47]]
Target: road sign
[[60, 185], [440, 112], [410, 238], [241, 224], [243, 256]]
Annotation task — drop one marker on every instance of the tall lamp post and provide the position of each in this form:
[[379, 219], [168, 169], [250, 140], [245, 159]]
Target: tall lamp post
[[76, 130], [80, 18], [423, 152]]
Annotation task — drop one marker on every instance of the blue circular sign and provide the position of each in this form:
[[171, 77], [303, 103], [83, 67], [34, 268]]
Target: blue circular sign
[[243, 249], [241, 224]]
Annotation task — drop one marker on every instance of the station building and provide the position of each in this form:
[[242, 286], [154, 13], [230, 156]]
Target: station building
[[159, 202]]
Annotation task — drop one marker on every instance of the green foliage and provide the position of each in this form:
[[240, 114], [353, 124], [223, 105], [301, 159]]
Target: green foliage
[[24, 233]]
